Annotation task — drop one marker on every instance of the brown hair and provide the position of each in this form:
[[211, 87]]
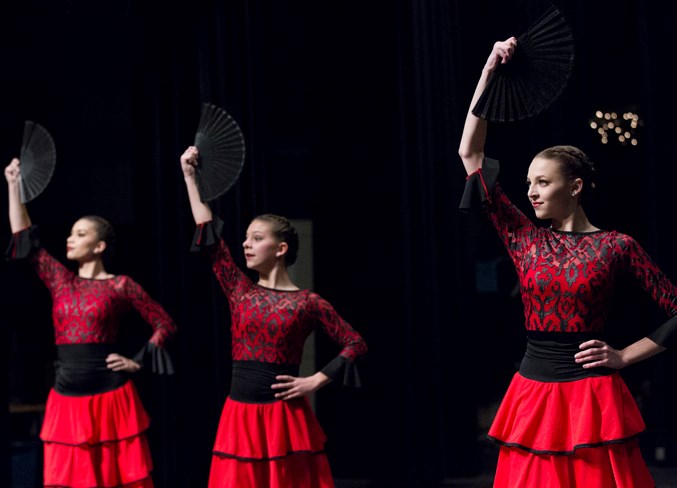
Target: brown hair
[[285, 232], [574, 164], [104, 230]]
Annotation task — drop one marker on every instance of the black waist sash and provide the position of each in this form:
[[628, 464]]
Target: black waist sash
[[81, 370], [550, 357], [251, 380]]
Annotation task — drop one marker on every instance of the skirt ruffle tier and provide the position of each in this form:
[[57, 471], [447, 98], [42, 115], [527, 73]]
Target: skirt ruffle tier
[[97, 440], [269, 445], [607, 466], [571, 433]]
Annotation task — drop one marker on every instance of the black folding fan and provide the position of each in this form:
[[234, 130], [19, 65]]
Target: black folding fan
[[221, 145], [535, 75], [38, 160]]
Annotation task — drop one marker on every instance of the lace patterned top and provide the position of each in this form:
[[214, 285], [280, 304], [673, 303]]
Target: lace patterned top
[[271, 325], [567, 278], [89, 311]]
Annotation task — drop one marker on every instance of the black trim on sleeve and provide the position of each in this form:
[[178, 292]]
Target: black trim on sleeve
[[666, 334], [344, 370], [207, 234], [479, 185], [160, 360], [23, 243]]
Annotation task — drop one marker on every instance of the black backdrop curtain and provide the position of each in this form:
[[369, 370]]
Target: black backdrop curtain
[[352, 113]]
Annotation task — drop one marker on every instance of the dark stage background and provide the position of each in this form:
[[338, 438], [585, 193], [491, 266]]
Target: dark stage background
[[352, 114]]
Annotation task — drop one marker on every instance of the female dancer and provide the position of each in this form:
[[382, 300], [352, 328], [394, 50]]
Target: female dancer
[[94, 425], [567, 418], [268, 435]]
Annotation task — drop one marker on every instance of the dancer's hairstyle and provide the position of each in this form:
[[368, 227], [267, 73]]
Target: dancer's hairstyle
[[575, 164], [106, 233], [285, 232]]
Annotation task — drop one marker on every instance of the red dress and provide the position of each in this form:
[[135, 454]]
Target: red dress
[[94, 426], [560, 425], [263, 442]]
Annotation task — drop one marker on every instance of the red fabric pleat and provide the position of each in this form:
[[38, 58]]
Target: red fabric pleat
[[253, 431], [110, 464], [272, 445], [608, 466], [92, 419], [551, 418], [96, 441], [294, 471]]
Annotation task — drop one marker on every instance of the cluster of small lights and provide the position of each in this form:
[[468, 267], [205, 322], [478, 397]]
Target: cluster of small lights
[[612, 127]]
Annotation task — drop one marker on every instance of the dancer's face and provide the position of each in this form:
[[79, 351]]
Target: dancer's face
[[83, 243], [262, 249], [550, 192]]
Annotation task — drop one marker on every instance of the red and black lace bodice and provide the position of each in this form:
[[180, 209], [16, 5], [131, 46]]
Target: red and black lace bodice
[[89, 311], [272, 325], [567, 278]]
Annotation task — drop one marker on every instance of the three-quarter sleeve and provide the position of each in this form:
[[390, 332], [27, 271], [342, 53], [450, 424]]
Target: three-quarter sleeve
[[483, 190], [342, 368], [479, 186], [207, 234], [23, 243], [649, 276], [162, 324], [232, 280]]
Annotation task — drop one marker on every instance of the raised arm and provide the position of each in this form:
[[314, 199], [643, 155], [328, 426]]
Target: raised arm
[[471, 149], [18, 215], [201, 211]]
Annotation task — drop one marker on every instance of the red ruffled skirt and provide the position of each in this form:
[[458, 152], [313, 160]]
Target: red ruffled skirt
[[96, 440], [269, 445], [566, 434]]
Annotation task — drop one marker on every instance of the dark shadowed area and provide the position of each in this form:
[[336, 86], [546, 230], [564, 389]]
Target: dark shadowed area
[[352, 114]]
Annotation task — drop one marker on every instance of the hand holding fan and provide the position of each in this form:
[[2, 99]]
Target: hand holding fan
[[38, 160], [221, 145], [536, 74]]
